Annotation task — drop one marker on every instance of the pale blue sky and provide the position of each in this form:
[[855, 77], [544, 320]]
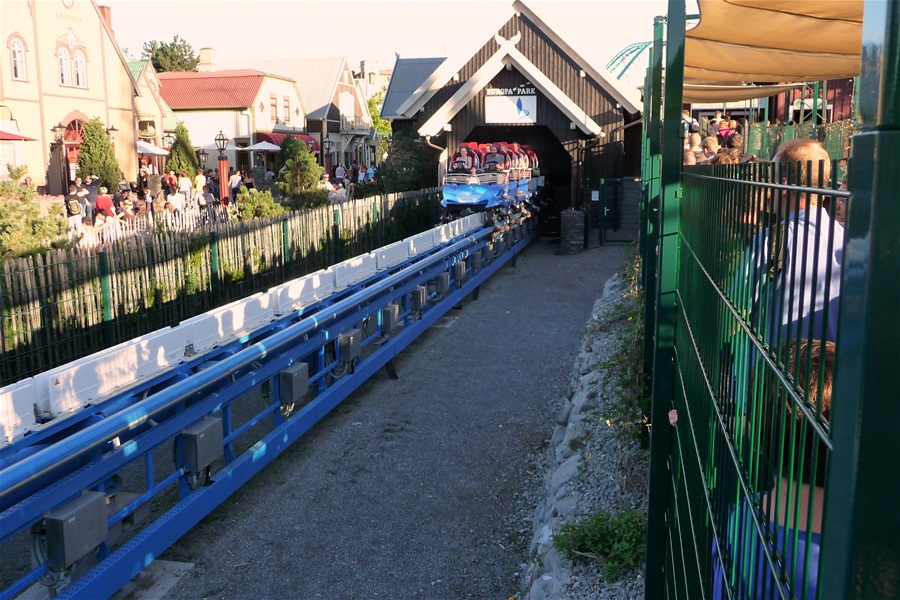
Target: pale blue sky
[[371, 29]]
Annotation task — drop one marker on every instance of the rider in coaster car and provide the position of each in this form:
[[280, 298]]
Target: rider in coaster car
[[495, 161], [463, 162]]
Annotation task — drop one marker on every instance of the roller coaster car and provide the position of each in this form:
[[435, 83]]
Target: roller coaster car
[[481, 180]]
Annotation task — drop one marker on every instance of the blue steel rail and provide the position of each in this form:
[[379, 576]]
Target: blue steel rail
[[56, 465]]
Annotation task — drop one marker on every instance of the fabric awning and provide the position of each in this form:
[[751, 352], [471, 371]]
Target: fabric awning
[[773, 41], [148, 149], [277, 138], [694, 92], [8, 136]]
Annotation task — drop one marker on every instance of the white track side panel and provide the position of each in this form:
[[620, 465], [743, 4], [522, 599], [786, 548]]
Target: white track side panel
[[419, 243], [304, 291], [16, 410], [73, 386], [228, 322], [392, 255], [354, 270]]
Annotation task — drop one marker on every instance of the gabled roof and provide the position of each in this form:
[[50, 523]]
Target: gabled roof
[[137, 67], [508, 54], [187, 90], [316, 79], [625, 96], [408, 75], [439, 78]]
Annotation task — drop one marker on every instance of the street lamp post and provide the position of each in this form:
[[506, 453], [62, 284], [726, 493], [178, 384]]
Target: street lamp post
[[169, 140], [111, 133], [221, 144], [327, 147], [59, 132], [202, 155]]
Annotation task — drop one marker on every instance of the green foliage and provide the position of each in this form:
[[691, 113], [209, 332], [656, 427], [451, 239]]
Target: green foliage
[[306, 199], [175, 56], [16, 173], [23, 229], [627, 407], [411, 165], [97, 157], [183, 157], [619, 541], [300, 174], [290, 148], [253, 204]]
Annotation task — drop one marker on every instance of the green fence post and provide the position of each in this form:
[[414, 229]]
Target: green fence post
[[214, 267], [860, 556], [285, 248], [337, 246], [106, 301], [667, 271]]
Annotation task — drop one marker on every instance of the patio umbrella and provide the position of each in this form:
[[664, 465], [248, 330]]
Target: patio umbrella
[[263, 147], [148, 149], [212, 147]]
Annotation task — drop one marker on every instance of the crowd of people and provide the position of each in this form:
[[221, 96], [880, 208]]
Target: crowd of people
[[342, 183], [787, 285]]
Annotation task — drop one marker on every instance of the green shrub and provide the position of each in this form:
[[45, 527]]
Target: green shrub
[[253, 204], [97, 157], [182, 156], [618, 541], [24, 230]]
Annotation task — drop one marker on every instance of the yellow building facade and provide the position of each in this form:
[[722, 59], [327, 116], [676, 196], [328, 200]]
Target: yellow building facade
[[61, 65]]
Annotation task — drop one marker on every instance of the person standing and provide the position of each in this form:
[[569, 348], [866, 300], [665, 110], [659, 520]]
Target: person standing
[[339, 172], [370, 173], [73, 211], [199, 180], [104, 203], [234, 184]]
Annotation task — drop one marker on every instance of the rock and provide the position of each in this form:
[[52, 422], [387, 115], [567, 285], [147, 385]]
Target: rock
[[566, 471], [546, 588], [562, 418]]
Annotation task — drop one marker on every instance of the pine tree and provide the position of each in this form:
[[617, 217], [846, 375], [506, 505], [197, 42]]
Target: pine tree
[[182, 156], [300, 175], [175, 56], [97, 157]]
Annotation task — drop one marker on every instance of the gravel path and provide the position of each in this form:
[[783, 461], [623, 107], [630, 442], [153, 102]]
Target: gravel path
[[423, 487]]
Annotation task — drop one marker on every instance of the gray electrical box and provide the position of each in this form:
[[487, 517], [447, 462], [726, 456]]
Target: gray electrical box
[[350, 342], [417, 298], [459, 271], [294, 382], [390, 317], [202, 444], [442, 282], [476, 261], [76, 529]]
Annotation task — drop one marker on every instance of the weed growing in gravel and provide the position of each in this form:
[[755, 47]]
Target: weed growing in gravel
[[627, 406], [616, 541]]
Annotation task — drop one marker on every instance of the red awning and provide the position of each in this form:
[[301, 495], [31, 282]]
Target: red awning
[[277, 138], [6, 136]]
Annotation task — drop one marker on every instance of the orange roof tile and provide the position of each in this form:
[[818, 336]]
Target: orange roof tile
[[215, 89]]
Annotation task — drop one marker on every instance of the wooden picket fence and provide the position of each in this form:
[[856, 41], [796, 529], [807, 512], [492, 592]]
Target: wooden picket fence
[[65, 304]]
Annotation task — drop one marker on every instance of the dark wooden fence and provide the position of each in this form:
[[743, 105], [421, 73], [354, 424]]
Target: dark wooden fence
[[65, 304]]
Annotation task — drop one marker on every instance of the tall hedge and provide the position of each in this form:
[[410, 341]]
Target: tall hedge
[[182, 155], [97, 157]]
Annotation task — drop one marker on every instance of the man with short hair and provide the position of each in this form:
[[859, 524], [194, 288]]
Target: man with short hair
[[73, 210]]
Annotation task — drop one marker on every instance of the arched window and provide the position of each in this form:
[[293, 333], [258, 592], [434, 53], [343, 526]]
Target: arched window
[[17, 55], [65, 66], [80, 69]]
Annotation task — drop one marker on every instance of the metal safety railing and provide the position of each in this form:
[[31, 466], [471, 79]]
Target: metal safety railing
[[770, 299]]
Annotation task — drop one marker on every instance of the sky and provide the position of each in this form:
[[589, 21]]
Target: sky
[[360, 29]]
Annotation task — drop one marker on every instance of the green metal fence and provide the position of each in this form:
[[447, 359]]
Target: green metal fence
[[65, 304], [763, 139], [762, 309]]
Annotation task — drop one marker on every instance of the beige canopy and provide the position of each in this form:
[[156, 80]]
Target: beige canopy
[[741, 41], [696, 92]]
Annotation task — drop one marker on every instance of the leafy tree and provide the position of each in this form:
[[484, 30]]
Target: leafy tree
[[97, 156], [182, 156], [24, 229], [382, 126], [290, 147], [176, 56], [253, 204], [411, 165], [298, 179]]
